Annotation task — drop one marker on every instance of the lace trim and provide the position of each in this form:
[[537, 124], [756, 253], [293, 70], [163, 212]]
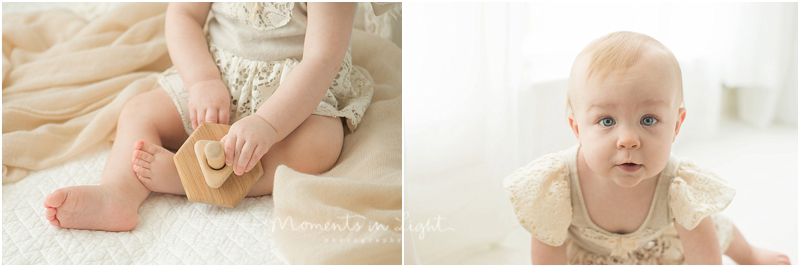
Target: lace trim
[[351, 91], [662, 250], [263, 16], [620, 245], [174, 88], [539, 193], [697, 193], [251, 82]]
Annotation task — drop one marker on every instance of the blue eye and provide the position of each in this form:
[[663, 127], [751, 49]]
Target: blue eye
[[606, 122], [649, 121]]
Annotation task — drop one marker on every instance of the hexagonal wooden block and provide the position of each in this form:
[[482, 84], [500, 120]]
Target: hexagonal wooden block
[[227, 195]]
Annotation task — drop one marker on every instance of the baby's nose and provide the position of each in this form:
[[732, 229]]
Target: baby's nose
[[628, 139]]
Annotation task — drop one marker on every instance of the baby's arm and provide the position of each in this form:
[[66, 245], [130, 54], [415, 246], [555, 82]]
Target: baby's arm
[[542, 253], [700, 245], [327, 38], [326, 41], [208, 97]]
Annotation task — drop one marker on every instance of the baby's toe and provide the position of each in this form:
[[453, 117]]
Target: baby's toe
[[138, 145], [143, 155], [783, 259], [143, 172], [55, 199], [142, 163], [150, 148], [53, 220], [50, 213]]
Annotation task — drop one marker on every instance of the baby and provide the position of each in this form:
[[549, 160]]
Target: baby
[[246, 71], [619, 196]]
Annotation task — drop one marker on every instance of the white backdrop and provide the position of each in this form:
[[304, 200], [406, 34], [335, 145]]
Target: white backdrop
[[460, 122], [485, 93]]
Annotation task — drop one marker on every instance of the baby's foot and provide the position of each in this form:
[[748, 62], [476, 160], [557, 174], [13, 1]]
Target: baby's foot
[[154, 167], [91, 207], [765, 256]]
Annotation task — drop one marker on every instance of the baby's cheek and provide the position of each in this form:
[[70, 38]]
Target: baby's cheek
[[597, 156], [659, 156]]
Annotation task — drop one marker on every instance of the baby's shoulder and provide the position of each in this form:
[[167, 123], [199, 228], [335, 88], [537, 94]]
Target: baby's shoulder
[[539, 193], [696, 192], [548, 171], [686, 174]]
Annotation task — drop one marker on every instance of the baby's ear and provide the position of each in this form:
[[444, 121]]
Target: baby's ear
[[679, 122], [573, 125]]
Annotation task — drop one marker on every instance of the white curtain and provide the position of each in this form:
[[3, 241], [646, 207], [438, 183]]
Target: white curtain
[[761, 61], [461, 117]]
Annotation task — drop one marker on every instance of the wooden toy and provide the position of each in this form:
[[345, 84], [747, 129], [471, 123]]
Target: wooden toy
[[212, 162], [201, 166]]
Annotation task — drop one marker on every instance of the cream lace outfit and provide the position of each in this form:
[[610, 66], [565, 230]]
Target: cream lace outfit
[[254, 53], [548, 202]]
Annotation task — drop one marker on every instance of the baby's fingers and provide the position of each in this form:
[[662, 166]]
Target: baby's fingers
[[193, 118], [211, 115], [201, 116], [257, 154], [229, 141], [224, 115], [244, 157], [237, 155]]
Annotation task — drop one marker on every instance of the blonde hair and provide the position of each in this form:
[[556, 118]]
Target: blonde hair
[[613, 52]]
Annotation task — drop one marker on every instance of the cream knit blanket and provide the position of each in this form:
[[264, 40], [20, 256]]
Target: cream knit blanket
[[65, 80], [364, 187]]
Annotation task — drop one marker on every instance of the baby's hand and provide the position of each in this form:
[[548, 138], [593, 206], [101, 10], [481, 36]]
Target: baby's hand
[[209, 101], [247, 141]]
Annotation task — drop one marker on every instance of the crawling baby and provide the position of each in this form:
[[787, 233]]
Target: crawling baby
[[619, 196]]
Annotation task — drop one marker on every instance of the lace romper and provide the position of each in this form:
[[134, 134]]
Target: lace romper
[[548, 202], [254, 53]]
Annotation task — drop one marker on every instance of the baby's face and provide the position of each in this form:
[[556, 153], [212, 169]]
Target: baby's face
[[626, 123]]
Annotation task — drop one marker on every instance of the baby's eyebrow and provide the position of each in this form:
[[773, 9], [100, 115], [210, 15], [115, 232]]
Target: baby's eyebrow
[[655, 102], [601, 106], [647, 102]]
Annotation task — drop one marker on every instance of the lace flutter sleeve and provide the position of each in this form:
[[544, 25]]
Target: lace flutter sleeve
[[696, 193], [539, 193]]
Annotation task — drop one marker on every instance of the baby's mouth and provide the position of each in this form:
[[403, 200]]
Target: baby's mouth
[[629, 166]]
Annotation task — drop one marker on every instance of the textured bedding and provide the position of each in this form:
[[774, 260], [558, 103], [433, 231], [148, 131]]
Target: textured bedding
[[171, 230]]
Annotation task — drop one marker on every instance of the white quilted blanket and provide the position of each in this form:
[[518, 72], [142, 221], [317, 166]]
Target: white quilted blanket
[[171, 230]]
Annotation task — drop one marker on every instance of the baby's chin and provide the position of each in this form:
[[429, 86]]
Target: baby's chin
[[627, 181]]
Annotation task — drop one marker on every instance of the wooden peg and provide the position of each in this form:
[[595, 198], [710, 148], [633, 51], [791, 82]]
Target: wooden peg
[[215, 155], [214, 169]]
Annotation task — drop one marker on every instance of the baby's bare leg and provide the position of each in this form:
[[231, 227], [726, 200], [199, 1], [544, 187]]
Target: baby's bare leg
[[743, 253], [311, 148], [112, 205]]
